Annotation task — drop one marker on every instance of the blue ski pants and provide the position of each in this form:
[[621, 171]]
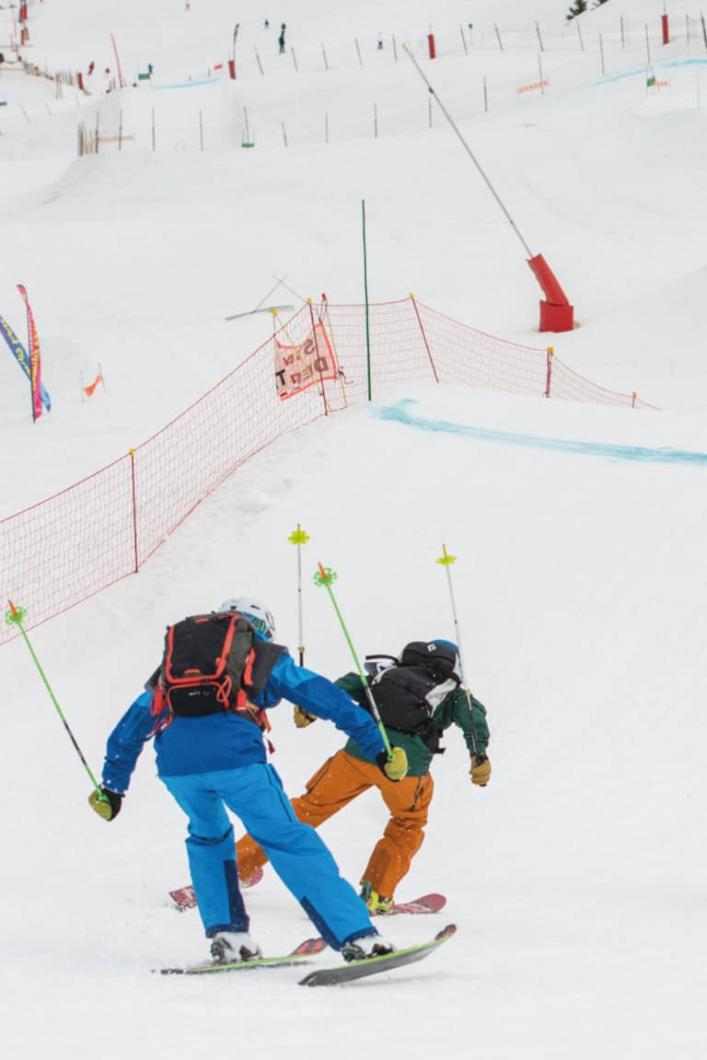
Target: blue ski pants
[[298, 855]]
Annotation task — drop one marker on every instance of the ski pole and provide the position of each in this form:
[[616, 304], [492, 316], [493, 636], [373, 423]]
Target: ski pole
[[446, 560], [324, 577], [299, 537], [15, 617]]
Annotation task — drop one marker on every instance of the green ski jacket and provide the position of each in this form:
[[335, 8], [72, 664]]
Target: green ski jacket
[[454, 709]]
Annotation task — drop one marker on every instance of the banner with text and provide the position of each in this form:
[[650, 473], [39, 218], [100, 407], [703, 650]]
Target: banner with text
[[306, 364], [20, 354], [35, 360]]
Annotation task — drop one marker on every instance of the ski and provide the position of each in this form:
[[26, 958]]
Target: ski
[[184, 897], [426, 903], [297, 956], [309, 946], [347, 973]]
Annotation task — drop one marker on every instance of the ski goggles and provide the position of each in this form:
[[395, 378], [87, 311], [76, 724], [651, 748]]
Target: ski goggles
[[261, 625]]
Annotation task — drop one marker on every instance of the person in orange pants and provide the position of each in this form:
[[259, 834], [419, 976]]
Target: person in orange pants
[[421, 692], [335, 784]]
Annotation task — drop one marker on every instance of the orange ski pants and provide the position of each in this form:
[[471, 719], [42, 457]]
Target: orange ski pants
[[340, 780]]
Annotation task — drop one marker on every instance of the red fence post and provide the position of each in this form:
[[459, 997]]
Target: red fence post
[[665, 23], [424, 337], [23, 12], [134, 493], [548, 370], [232, 69], [431, 45]]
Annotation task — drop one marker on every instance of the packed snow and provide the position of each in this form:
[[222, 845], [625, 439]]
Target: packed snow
[[577, 879]]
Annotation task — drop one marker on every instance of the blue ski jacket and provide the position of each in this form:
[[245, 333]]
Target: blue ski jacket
[[228, 740]]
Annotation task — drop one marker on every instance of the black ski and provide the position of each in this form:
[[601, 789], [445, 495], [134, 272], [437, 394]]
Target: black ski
[[347, 973]]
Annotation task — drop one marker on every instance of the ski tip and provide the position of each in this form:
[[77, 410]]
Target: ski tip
[[309, 946]]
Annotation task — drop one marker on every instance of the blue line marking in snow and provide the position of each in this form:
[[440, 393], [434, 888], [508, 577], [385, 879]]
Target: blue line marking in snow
[[665, 64], [186, 84], [402, 412]]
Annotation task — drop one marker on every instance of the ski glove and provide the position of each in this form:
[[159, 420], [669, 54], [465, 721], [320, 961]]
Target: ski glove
[[107, 806], [480, 771], [396, 767], [301, 718]]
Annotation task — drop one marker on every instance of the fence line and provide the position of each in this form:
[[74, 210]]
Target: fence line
[[70, 546]]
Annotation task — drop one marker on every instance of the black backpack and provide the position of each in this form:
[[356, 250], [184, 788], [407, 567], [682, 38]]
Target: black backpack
[[212, 663], [402, 691]]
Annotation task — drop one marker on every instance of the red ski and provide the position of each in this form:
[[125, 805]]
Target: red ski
[[426, 903], [184, 897]]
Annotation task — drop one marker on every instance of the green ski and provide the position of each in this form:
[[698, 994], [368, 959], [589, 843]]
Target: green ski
[[213, 967]]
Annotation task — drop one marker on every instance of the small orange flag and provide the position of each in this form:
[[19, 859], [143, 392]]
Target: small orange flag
[[88, 390]]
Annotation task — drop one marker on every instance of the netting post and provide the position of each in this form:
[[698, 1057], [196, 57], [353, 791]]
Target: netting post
[[424, 337], [548, 371], [365, 290], [134, 496], [634, 398], [316, 350]]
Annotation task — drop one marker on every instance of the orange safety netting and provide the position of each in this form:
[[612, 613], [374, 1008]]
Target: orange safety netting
[[68, 547]]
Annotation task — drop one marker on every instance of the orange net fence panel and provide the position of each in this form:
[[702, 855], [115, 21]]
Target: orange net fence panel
[[68, 547]]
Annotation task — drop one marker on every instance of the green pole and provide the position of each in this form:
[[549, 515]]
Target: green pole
[[15, 617], [325, 576], [365, 289]]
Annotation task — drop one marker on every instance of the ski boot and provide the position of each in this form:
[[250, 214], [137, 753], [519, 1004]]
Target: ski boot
[[363, 947], [230, 946], [376, 904]]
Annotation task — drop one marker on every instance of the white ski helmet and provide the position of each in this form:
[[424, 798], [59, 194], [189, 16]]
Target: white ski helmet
[[256, 613]]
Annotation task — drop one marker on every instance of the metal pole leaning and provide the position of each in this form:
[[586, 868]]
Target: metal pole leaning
[[446, 561], [298, 537], [468, 150], [324, 576], [15, 617]]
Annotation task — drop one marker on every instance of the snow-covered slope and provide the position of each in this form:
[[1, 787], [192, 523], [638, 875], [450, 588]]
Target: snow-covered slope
[[576, 877]]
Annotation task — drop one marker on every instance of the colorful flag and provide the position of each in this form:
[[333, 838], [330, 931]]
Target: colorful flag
[[20, 354], [35, 360], [299, 367]]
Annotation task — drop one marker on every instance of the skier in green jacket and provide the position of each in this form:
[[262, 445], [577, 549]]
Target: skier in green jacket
[[418, 698]]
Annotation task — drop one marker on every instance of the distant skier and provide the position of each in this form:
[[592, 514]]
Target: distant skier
[[208, 719], [91, 68], [380, 42], [418, 697], [267, 23], [281, 38]]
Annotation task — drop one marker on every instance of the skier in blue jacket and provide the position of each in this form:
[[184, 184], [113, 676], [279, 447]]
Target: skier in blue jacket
[[211, 756]]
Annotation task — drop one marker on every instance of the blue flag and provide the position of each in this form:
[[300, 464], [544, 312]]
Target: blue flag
[[20, 354]]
